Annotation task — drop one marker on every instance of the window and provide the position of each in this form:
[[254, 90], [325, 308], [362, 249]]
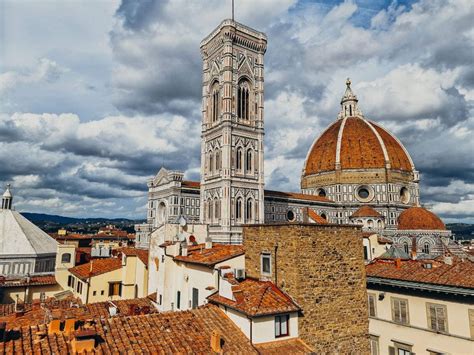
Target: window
[[363, 193], [211, 162], [102, 292], [406, 248], [209, 210], [281, 325], [94, 293], [115, 289], [79, 287], [266, 264], [248, 161], [321, 193], [238, 209], [249, 210], [70, 281], [238, 159], [218, 160], [437, 317], [215, 102], [290, 215], [217, 209], [66, 258], [195, 299], [243, 100], [374, 345], [178, 300], [400, 310], [372, 305], [426, 248]]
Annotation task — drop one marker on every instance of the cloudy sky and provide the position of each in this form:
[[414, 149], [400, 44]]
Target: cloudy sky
[[96, 96]]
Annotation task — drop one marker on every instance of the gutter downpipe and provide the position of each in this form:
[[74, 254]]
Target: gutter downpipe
[[276, 265]]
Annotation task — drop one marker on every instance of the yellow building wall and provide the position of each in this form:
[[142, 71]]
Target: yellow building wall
[[10, 294]]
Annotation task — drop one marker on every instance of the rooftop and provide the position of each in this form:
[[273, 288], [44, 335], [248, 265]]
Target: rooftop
[[182, 332], [459, 274], [316, 217], [366, 211], [38, 313], [290, 346], [257, 298], [419, 218], [142, 254], [296, 196], [96, 267], [198, 254], [28, 281]]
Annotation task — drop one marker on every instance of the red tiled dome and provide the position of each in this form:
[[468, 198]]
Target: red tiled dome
[[419, 218], [356, 143]]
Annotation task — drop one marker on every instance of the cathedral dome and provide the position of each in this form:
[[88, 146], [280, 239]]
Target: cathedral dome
[[354, 144], [419, 218]]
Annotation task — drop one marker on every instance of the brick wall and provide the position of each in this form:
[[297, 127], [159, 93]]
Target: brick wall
[[322, 268]]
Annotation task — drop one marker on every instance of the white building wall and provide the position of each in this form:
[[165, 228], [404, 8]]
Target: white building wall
[[457, 341]]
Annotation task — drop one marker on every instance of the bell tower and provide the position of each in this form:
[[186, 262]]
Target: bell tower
[[232, 177]]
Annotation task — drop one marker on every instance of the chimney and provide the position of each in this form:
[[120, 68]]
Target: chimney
[[217, 342], [448, 260], [398, 263], [84, 341], [208, 243], [54, 326], [184, 249], [69, 326], [413, 255]]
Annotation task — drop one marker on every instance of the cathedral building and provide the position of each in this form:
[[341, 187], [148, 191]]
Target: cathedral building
[[356, 171]]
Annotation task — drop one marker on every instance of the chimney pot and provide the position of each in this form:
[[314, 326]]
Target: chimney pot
[[216, 342], [398, 263]]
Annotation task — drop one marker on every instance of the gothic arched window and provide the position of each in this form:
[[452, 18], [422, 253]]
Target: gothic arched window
[[238, 160], [215, 102], [209, 210], [406, 248], [426, 248], [243, 102], [238, 209], [217, 209], [211, 162], [218, 160], [248, 160], [249, 210]]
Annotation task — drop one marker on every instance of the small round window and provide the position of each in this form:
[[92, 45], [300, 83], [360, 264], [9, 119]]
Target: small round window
[[321, 192], [290, 215], [364, 194]]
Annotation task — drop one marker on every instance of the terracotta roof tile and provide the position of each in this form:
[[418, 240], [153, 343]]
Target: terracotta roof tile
[[259, 298], [32, 281], [37, 313], [191, 184], [398, 158], [99, 266], [289, 346], [198, 254], [182, 332], [366, 211], [297, 196], [316, 217], [419, 218], [460, 273]]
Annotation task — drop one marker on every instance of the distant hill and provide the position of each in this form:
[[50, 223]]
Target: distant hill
[[41, 217], [462, 230], [51, 223]]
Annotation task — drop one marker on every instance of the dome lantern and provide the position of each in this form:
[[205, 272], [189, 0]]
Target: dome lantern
[[7, 199], [349, 103]]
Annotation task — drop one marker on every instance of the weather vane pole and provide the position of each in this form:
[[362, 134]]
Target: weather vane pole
[[232, 10]]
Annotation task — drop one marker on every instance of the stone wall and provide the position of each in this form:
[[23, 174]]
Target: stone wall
[[322, 268]]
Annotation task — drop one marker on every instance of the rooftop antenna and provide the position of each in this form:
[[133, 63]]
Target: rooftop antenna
[[232, 10]]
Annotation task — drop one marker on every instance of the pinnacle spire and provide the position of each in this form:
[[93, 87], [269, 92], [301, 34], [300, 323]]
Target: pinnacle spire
[[349, 106]]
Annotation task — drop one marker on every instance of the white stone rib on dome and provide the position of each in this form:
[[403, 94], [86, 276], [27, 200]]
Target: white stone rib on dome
[[18, 236]]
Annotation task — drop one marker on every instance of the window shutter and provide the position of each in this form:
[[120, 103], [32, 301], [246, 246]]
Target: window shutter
[[403, 312], [391, 350]]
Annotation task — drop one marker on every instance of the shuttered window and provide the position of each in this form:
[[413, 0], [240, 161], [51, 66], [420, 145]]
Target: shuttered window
[[400, 310], [437, 317], [372, 307]]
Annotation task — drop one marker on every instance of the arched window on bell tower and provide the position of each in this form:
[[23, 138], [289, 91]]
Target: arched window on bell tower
[[239, 158], [214, 109], [243, 100]]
